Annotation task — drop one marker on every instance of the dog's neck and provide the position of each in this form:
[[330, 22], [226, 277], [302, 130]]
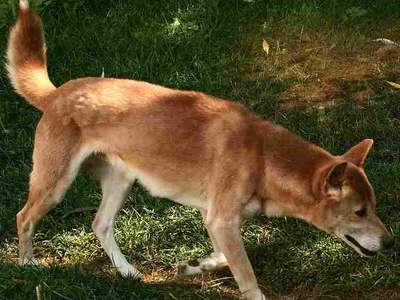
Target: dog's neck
[[289, 166]]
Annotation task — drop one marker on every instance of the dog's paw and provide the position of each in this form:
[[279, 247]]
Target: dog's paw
[[255, 295], [189, 268], [29, 262], [130, 272]]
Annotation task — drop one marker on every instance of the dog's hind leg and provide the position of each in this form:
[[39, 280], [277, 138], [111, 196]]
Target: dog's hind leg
[[115, 186], [214, 262], [57, 156]]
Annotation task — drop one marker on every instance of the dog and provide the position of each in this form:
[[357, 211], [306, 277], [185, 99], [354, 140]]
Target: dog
[[187, 146]]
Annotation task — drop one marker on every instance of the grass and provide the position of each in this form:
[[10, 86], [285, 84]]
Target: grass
[[323, 79]]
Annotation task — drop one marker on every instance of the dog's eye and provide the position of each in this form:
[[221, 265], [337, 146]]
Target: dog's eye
[[361, 212]]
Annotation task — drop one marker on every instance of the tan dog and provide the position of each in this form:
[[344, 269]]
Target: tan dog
[[189, 147]]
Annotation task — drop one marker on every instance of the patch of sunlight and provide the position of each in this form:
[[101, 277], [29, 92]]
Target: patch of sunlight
[[328, 248], [182, 25], [9, 251], [74, 246], [175, 24]]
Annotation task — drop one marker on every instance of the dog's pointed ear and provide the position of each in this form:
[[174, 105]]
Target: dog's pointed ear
[[336, 175], [334, 181], [358, 153], [328, 181]]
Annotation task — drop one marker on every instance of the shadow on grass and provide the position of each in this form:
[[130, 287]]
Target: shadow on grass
[[93, 280], [89, 281]]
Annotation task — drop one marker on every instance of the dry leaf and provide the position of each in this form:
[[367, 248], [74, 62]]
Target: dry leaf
[[394, 84], [386, 42], [265, 46]]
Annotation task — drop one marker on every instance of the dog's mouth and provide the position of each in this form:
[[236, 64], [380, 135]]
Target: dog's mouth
[[363, 250]]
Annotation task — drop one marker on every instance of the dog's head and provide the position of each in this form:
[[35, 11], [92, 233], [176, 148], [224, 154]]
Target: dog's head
[[346, 203]]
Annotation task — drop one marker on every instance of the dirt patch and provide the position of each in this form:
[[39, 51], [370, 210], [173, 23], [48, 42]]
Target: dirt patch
[[319, 71], [321, 93]]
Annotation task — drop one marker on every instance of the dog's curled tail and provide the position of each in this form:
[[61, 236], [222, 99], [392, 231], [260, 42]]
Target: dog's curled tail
[[26, 58]]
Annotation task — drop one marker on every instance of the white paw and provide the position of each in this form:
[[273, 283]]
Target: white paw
[[254, 295], [200, 266], [29, 262], [189, 268], [130, 271]]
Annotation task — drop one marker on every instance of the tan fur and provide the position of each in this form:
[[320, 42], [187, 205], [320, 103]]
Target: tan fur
[[187, 146], [26, 58]]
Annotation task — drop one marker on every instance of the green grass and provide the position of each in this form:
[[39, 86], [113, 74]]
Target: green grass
[[215, 47]]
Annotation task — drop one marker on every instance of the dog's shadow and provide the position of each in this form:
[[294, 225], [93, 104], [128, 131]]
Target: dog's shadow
[[90, 281]]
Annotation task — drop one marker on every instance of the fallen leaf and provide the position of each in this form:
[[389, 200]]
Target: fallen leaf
[[386, 42], [265, 46], [394, 84]]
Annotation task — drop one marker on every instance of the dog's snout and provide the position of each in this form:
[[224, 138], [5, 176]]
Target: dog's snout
[[387, 242]]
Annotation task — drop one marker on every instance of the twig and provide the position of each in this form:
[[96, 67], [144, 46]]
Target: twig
[[215, 284], [38, 292], [62, 296], [220, 279], [79, 210]]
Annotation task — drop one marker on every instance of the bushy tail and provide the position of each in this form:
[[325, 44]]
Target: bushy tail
[[26, 58]]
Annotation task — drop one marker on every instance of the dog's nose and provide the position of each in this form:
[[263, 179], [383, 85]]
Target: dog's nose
[[388, 242]]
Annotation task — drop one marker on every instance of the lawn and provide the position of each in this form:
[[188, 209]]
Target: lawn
[[323, 78]]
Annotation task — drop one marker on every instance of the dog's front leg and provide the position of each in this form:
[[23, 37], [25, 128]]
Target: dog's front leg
[[226, 231]]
